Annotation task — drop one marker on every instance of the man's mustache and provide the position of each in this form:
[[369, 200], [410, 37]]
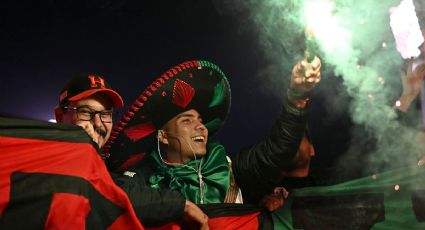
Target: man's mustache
[[100, 131]]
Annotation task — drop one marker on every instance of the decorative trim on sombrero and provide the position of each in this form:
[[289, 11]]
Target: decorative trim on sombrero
[[219, 94], [182, 93], [138, 132], [136, 126]]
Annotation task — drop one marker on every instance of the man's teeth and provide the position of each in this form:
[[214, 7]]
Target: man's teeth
[[198, 138]]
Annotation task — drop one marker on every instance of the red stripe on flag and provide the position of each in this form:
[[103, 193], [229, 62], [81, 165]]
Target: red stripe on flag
[[246, 222], [62, 205], [79, 160]]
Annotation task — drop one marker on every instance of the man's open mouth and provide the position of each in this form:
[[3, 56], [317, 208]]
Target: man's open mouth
[[198, 138]]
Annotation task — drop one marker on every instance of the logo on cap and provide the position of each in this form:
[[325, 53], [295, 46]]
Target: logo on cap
[[95, 80]]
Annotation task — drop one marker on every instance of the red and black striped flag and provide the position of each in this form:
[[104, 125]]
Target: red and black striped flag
[[51, 177]]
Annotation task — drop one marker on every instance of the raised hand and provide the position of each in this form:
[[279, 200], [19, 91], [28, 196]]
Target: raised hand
[[194, 217], [412, 83], [305, 75]]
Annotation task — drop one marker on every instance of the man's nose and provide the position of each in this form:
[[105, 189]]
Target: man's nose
[[200, 125], [97, 121]]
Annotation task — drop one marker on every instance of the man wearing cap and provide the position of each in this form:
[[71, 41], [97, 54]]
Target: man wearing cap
[[171, 124], [88, 101]]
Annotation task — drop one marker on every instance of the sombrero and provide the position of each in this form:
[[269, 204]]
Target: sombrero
[[199, 85]]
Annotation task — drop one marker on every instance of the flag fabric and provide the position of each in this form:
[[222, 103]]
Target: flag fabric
[[390, 200], [229, 217], [52, 177]]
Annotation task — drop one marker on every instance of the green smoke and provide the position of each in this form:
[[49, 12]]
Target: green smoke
[[360, 49]]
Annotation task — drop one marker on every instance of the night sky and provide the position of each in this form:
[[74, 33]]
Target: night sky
[[44, 43]]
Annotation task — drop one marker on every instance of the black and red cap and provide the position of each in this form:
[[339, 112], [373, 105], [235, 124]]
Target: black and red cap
[[83, 86]]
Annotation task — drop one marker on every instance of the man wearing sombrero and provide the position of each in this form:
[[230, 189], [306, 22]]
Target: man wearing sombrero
[[165, 137]]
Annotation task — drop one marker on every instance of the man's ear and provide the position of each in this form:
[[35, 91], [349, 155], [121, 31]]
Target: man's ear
[[162, 137], [58, 114]]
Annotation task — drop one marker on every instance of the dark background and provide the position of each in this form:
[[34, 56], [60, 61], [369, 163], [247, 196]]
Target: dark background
[[44, 43]]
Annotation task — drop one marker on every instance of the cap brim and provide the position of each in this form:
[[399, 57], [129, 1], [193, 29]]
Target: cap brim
[[114, 96]]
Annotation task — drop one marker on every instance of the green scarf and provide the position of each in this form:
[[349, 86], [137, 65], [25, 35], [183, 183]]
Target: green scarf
[[215, 173]]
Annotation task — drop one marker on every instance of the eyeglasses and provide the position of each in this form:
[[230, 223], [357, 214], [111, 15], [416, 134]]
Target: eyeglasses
[[85, 113]]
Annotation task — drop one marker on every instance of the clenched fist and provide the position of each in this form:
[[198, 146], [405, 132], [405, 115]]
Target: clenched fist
[[305, 75]]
